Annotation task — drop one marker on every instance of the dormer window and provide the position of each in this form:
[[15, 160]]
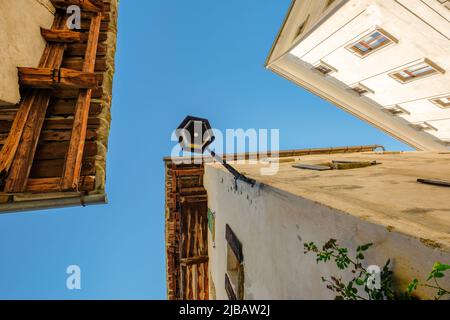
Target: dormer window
[[396, 110], [417, 71], [374, 41], [361, 89], [443, 102], [324, 68], [423, 126]]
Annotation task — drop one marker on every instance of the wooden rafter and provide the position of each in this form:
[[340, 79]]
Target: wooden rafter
[[74, 157]]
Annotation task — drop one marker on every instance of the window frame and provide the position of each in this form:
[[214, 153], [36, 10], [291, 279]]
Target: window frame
[[437, 101], [399, 78], [235, 291], [353, 49]]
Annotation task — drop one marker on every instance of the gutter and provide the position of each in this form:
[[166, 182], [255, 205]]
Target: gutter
[[83, 201]]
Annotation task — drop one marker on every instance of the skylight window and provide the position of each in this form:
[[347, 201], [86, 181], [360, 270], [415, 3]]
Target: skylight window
[[417, 71], [374, 41], [443, 102]]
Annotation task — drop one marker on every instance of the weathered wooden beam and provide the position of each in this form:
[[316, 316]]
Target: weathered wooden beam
[[12, 142], [194, 260], [74, 157], [47, 185], [85, 5], [60, 36], [48, 78], [23, 160]]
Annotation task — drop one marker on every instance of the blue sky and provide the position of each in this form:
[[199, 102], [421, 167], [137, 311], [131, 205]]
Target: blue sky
[[174, 58]]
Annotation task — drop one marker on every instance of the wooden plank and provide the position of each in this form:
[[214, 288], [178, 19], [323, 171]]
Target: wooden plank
[[48, 185], [8, 114], [58, 150], [21, 166], [79, 49], [48, 78], [67, 124], [55, 136], [74, 158], [76, 63], [74, 93], [194, 260], [60, 36], [66, 107], [12, 142], [54, 168]]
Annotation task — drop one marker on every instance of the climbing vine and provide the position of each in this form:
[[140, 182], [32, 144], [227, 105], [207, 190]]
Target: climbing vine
[[366, 283]]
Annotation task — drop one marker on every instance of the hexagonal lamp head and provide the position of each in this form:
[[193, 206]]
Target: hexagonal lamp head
[[195, 134]]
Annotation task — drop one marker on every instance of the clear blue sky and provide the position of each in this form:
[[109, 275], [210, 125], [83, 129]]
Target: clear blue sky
[[174, 58]]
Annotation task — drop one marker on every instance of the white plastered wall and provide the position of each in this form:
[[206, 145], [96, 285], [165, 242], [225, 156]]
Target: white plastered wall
[[273, 226], [21, 44]]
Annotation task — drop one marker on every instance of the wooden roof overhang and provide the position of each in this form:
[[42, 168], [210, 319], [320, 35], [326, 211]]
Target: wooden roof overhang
[[53, 143]]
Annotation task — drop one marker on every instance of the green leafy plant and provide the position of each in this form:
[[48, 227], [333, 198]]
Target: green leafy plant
[[432, 282], [363, 280]]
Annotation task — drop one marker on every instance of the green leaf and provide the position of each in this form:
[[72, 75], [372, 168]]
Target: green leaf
[[360, 282], [366, 246], [441, 267], [412, 286]]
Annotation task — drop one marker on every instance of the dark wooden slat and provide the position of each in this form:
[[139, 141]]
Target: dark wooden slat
[[55, 136], [67, 124], [60, 107], [79, 49], [58, 150], [77, 64], [73, 93], [47, 185], [54, 168]]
